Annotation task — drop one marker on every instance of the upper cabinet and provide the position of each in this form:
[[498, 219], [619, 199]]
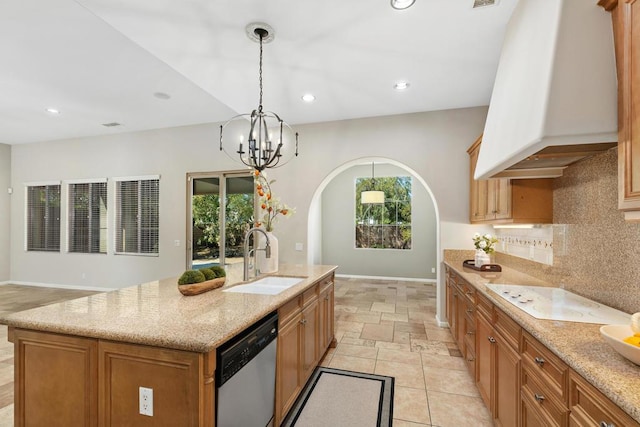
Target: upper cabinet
[[508, 201], [626, 28]]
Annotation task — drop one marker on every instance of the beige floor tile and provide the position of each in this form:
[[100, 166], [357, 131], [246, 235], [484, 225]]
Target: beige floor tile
[[439, 335], [430, 347], [366, 317], [358, 341], [443, 362], [343, 326], [345, 309], [384, 307], [410, 404], [394, 346], [401, 356], [6, 416], [402, 338], [356, 350], [453, 410], [395, 317], [377, 332], [449, 381], [414, 328], [349, 363], [406, 375]]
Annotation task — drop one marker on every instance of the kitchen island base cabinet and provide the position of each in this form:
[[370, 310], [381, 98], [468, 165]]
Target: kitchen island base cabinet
[[304, 335], [62, 377], [74, 381]]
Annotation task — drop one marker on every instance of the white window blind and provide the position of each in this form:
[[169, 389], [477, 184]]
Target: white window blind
[[137, 216], [88, 217], [43, 218]]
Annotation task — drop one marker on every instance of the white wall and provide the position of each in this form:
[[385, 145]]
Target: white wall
[[338, 243], [5, 209], [432, 144]]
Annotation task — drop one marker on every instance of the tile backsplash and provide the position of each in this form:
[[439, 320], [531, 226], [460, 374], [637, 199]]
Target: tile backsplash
[[535, 244]]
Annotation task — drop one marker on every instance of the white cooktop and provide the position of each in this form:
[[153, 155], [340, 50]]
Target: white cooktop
[[558, 304]]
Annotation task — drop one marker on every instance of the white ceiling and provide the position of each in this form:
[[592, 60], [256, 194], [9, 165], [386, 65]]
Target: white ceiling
[[101, 61]]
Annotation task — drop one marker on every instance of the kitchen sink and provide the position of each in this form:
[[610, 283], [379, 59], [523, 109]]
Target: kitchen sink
[[270, 285]]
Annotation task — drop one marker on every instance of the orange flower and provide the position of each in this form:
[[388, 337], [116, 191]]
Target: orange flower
[[261, 193], [284, 211], [259, 187], [263, 206], [256, 172], [270, 209], [268, 196]]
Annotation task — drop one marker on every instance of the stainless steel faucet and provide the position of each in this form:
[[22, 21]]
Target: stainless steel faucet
[[247, 252]]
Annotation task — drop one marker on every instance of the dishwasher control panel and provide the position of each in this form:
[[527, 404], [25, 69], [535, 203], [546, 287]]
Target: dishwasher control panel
[[241, 349]]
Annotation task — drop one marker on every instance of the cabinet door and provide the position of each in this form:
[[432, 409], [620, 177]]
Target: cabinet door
[[310, 317], [506, 383], [289, 361], [484, 357], [326, 320], [478, 190], [56, 380], [532, 416], [502, 198], [175, 377], [461, 306]]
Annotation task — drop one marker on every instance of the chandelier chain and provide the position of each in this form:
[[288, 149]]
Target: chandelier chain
[[260, 75]]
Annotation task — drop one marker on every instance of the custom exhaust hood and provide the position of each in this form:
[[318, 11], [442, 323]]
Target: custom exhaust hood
[[554, 99]]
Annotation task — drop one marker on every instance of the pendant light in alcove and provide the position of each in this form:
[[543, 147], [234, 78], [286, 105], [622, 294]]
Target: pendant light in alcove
[[372, 197]]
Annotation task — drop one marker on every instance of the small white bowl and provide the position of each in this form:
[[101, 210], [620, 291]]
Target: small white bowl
[[614, 336]]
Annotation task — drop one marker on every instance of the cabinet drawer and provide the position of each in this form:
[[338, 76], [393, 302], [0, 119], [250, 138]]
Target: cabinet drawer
[[546, 366], [509, 329], [484, 306], [589, 407], [469, 292], [309, 295], [289, 311], [541, 396], [325, 281], [470, 357]]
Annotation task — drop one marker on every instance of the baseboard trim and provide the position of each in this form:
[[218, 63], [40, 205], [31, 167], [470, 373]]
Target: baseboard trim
[[441, 323], [55, 285], [4, 283], [404, 279]]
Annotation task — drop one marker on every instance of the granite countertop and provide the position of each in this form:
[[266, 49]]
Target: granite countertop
[[157, 314], [578, 344]]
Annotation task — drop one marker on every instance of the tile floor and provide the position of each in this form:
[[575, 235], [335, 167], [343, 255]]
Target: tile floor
[[389, 328], [383, 327]]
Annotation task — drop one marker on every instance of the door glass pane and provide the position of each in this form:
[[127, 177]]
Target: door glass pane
[[239, 216], [205, 209]]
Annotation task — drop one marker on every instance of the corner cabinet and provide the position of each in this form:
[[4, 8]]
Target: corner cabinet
[[505, 200], [521, 381], [626, 31], [305, 331]]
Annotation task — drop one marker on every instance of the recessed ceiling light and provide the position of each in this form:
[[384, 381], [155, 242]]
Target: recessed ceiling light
[[401, 85], [52, 111], [308, 97], [402, 4], [162, 95]]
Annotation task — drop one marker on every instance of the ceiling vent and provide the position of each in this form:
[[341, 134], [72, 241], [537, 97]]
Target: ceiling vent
[[111, 125], [483, 3]]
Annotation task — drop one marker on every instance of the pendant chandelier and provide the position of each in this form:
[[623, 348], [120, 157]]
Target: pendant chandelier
[[373, 197], [259, 149]]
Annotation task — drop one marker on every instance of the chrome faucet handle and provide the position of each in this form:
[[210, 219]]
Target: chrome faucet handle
[[267, 250]]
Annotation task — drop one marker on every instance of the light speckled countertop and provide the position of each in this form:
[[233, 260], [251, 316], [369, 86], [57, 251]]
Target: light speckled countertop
[[578, 344], [157, 314]]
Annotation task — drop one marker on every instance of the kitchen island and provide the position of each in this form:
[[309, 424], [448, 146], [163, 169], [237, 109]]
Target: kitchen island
[[81, 362], [589, 375]]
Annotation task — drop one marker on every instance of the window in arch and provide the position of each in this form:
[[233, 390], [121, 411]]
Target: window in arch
[[386, 225]]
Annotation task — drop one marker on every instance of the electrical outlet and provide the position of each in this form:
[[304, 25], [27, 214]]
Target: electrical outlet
[[146, 401], [176, 242], [298, 246], [433, 269]]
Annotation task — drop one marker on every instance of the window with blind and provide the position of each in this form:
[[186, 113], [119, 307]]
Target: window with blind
[[88, 217], [43, 218], [137, 216]]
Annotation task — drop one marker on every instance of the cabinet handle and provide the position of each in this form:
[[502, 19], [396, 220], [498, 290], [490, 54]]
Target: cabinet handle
[[469, 310], [606, 424], [471, 360], [539, 398], [492, 340], [539, 361], [469, 292], [470, 333], [326, 298], [303, 321]]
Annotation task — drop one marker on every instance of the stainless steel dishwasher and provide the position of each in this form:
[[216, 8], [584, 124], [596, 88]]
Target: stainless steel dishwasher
[[246, 376]]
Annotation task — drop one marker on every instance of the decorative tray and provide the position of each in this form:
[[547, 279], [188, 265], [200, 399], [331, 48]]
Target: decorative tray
[[485, 267]]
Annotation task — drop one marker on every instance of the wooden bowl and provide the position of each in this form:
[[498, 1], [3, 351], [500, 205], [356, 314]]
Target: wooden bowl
[[199, 288]]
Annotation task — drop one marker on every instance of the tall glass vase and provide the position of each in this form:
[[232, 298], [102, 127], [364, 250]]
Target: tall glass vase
[[267, 265]]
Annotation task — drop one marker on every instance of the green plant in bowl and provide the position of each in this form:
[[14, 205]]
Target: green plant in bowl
[[191, 276], [208, 273], [218, 271]]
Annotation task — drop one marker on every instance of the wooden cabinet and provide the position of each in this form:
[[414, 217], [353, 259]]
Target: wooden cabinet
[[505, 200], [62, 377], [452, 302], [305, 332], [498, 365], [589, 407], [73, 381], [626, 26]]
